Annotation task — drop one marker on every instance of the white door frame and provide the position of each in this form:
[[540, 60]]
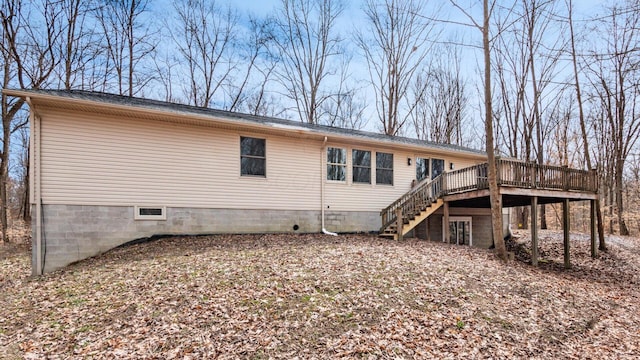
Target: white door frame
[[455, 219]]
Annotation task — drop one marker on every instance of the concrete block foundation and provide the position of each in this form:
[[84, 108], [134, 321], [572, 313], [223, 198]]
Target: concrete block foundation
[[75, 232]]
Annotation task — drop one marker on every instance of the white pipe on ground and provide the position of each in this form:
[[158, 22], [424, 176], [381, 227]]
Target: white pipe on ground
[[322, 177]]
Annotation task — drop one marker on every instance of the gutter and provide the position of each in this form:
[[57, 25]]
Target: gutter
[[36, 196], [323, 168]]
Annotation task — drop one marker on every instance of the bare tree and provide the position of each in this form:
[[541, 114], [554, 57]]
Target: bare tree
[[307, 41], [345, 107], [614, 78], [127, 42], [205, 38], [543, 59], [77, 52], [494, 191], [440, 99], [511, 66], [29, 58], [255, 56], [164, 65], [583, 127], [395, 45], [527, 70]]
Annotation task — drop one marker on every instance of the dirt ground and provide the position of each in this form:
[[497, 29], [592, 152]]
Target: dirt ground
[[317, 296]]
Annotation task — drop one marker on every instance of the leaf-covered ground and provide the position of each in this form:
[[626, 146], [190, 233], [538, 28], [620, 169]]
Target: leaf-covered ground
[[316, 296]]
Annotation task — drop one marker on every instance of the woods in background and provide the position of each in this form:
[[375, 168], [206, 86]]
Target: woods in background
[[565, 86]]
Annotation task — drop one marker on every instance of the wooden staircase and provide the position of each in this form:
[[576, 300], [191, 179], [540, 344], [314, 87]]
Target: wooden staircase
[[412, 208]]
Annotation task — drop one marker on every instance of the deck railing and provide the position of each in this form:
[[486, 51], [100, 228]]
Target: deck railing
[[523, 175], [535, 176], [510, 173]]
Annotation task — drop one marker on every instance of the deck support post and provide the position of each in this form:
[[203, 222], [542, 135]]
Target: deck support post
[[399, 223], [594, 247], [565, 227], [427, 229], [534, 231], [445, 219]]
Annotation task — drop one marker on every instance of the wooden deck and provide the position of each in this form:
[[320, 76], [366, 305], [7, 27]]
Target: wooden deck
[[520, 184]]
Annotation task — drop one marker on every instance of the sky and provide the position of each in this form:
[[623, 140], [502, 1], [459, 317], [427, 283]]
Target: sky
[[353, 18]]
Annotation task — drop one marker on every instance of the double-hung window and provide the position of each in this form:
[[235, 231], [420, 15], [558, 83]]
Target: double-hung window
[[336, 164], [361, 166], [253, 161], [384, 168]]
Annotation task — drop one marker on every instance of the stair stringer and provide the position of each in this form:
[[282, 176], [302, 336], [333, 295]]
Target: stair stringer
[[419, 218]]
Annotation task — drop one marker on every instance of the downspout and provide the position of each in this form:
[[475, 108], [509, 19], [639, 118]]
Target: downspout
[[36, 198], [323, 168]]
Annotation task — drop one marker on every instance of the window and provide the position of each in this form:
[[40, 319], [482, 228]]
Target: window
[[437, 167], [150, 213], [336, 164], [384, 168], [252, 156], [422, 169], [361, 166]]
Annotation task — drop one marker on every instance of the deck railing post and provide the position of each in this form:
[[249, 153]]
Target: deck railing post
[[593, 180], [532, 176], [443, 180]]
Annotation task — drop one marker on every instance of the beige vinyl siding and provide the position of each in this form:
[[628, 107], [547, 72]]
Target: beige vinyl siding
[[90, 159], [97, 160]]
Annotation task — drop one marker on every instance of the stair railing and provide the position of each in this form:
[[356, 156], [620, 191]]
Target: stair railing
[[413, 201]]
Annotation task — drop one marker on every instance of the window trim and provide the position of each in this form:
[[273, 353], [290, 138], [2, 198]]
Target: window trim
[[386, 169], [353, 166], [264, 158], [459, 219], [344, 165]]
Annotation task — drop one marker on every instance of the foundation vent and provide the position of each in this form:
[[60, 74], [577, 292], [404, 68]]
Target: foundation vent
[[150, 213]]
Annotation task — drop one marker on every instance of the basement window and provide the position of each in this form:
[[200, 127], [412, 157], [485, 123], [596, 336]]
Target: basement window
[[150, 213]]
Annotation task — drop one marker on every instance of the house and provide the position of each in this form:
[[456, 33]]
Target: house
[[108, 169]]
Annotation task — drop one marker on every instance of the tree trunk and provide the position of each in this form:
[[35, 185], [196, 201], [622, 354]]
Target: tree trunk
[[543, 217], [494, 191], [619, 200], [610, 203], [585, 141], [4, 166]]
